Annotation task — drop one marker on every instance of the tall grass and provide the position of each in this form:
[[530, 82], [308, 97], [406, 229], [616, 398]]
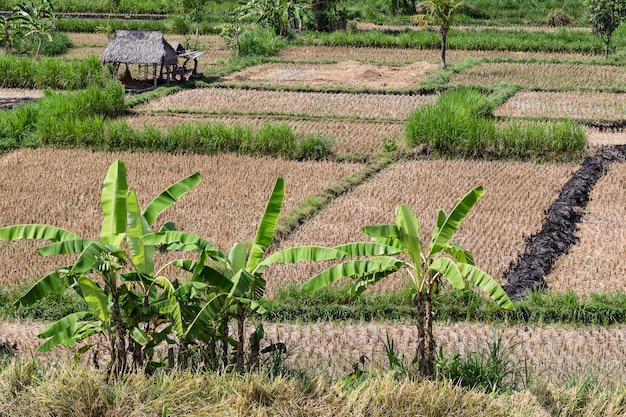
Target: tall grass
[[270, 139], [562, 40], [57, 45], [56, 73], [93, 25], [460, 124], [49, 120]]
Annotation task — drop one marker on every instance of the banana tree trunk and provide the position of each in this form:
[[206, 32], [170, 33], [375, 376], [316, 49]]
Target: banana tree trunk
[[241, 318], [425, 344], [224, 334], [444, 36]]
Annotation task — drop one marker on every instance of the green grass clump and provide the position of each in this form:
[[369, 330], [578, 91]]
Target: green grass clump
[[562, 40], [260, 42], [95, 25], [55, 73], [50, 120], [270, 139], [57, 45], [461, 124]]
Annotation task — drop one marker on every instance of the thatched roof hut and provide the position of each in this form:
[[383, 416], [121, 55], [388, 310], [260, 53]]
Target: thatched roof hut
[[145, 49]]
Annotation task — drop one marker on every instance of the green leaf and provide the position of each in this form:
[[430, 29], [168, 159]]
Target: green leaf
[[139, 336], [368, 249], [301, 253], [354, 269], [60, 331], [204, 318], [449, 227], [242, 281], [142, 255], [237, 258], [92, 254], [448, 269], [36, 231], [80, 352], [381, 231], [53, 283], [96, 299], [265, 233], [408, 235], [166, 284], [486, 283], [187, 239], [169, 196], [457, 252], [114, 192], [64, 247]]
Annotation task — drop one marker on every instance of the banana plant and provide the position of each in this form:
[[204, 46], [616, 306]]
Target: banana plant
[[119, 259], [237, 284], [425, 266]]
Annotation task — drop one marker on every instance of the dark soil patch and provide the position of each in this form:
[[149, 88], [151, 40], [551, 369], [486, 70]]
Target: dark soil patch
[[558, 232]]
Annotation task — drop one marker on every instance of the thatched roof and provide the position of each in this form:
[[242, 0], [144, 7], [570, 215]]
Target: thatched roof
[[139, 47]]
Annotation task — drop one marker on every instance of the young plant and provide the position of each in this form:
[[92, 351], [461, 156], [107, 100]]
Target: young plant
[[439, 13], [235, 284], [119, 260], [426, 268]]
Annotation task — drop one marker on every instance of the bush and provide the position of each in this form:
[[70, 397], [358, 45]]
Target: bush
[[59, 44], [260, 42], [559, 18], [461, 124]]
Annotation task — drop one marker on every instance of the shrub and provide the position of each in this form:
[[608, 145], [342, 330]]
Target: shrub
[[263, 42], [461, 124], [559, 18]]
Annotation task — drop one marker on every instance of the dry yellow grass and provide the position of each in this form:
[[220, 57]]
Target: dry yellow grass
[[292, 102], [574, 104], [63, 187], [543, 75], [351, 136], [553, 353], [596, 263], [596, 138], [513, 207], [342, 74], [310, 52]]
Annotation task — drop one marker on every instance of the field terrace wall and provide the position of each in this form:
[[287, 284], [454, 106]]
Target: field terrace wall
[[63, 187], [517, 194]]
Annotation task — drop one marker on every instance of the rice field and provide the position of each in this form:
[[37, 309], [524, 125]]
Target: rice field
[[572, 104], [554, 354], [396, 55], [63, 187], [351, 136], [513, 207], [543, 75], [596, 263], [290, 102]]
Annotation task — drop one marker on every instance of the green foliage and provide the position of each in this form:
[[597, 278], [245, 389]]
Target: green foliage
[[560, 40], [461, 124], [605, 17], [260, 42], [57, 116], [282, 16], [93, 25], [439, 13], [119, 301], [26, 72], [490, 370], [428, 266]]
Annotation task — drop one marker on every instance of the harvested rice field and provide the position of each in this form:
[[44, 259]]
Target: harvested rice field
[[552, 353], [596, 263], [543, 75], [350, 136], [63, 187], [342, 74], [513, 207], [396, 55], [290, 102], [572, 104]]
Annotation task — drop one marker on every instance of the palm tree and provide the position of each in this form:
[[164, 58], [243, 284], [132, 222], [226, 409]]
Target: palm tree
[[439, 13]]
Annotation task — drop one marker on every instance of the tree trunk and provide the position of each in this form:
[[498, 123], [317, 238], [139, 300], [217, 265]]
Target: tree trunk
[[420, 354], [224, 332], [425, 343], [606, 48], [241, 318], [444, 36]]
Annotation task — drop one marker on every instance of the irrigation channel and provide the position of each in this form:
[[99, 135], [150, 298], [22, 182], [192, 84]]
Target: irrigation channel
[[557, 234]]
